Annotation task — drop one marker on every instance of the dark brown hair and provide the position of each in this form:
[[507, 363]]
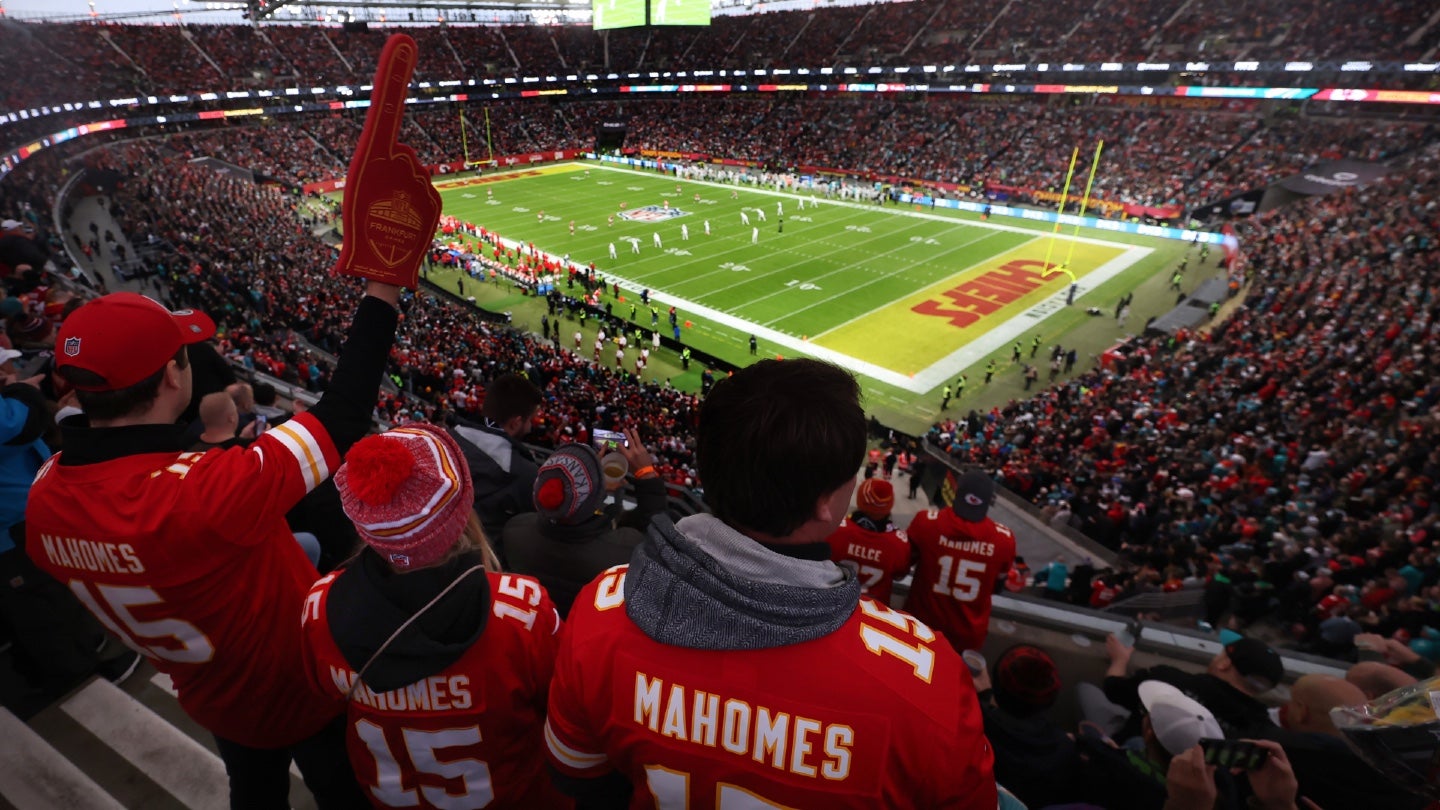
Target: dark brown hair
[[774, 438]]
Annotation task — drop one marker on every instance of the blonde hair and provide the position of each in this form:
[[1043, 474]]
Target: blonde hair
[[472, 538]]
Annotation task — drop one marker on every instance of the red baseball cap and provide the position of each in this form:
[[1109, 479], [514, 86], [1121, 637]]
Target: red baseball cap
[[125, 337]]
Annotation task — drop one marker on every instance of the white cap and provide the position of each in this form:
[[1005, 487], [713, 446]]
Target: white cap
[[1179, 722]]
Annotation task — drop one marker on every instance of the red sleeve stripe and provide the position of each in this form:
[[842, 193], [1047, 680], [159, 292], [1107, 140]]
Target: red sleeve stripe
[[298, 439], [569, 757]]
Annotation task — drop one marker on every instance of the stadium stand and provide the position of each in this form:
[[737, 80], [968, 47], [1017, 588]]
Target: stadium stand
[[1204, 456], [181, 205], [1273, 471], [928, 31]]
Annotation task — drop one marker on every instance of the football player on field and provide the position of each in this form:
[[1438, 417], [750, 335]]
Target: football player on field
[[731, 664]]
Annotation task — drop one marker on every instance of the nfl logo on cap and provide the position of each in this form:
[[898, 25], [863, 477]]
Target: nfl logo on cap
[[72, 347]]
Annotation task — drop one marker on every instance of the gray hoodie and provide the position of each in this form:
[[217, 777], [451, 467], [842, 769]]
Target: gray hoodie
[[702, 585]]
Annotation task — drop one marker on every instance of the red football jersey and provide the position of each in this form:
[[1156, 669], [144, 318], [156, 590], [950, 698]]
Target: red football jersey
[[186, 556], [960, 562], [881, 557], [879, 713], [469, 736]]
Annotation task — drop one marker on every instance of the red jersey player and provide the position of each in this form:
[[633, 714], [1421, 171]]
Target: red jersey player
[[445, 662], [732, 664], [879, 551], [964, 557]]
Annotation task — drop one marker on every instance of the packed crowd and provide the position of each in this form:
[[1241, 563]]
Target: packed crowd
[[172, 58], [245, 55], [1144, 504], [276, 315], [286, 154], [1152, 157], [1284, 461]]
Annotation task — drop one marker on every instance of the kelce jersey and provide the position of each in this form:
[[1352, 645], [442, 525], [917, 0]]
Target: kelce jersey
[[880, 713], [960, 562], [468, 736], [186, 556], [879, 556]]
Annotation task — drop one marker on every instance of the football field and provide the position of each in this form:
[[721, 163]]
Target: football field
[[904, 295]]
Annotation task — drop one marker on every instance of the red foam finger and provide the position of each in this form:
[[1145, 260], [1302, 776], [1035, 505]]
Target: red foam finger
[[391, 207], [387, 96]]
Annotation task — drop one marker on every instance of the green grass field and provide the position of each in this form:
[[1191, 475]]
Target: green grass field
[[906, 298]]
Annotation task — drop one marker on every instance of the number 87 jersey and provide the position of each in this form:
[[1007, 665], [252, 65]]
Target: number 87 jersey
[[960, 565]]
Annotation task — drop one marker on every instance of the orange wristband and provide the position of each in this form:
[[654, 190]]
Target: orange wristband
[[648, 471]]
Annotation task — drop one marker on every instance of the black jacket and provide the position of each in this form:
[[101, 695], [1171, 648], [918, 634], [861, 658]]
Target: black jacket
[[566, 557], [1238, 713], [503, 472], [369, 601]]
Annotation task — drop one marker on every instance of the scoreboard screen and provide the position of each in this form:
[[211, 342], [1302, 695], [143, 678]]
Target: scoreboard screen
[[618, 13], [679, 12]]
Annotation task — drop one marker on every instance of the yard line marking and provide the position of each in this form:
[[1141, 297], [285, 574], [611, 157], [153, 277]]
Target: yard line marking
[[932, 376], [744, 245], [769, 273], [872, 207]]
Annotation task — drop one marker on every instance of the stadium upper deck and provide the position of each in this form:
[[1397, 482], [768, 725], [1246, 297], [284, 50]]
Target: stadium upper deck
[[45, 63]]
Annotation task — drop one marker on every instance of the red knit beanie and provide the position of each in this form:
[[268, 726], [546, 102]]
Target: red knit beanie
[[409, 493], [875, 497]]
